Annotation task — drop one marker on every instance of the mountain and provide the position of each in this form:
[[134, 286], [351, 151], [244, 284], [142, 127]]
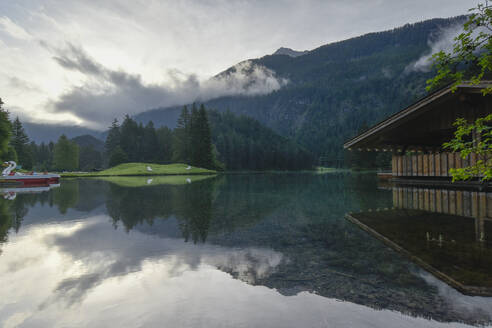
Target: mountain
[[51, 132], [87, 140], [289, 52], [337, 89]]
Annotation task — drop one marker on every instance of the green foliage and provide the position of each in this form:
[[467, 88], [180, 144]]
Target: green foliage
[[113, 139], [165, 144], [5, 133], [118, 156], [89, 159], [20, 142], [181, 139], [12, 154], [242, 143], [192, 139], [471, 57], [473, 139], [65, 155]]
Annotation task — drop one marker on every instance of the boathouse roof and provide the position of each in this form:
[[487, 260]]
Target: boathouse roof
[[428, 123]]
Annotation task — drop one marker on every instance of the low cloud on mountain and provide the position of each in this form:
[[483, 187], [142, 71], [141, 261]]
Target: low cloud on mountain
[[108, 93], [443, 41]]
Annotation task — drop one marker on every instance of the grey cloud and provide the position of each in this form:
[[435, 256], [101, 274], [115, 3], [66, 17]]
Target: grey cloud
[[23, 85], [112, 93], [443, 41]]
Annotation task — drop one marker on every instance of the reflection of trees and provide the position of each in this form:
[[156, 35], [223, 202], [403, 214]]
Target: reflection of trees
[[66, 196], [5, 220], [135, 205], [11, 214], [191, 204], [194, 210]]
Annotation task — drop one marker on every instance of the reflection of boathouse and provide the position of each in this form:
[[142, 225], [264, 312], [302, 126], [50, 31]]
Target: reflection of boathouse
[[444, 227], [415, 135]]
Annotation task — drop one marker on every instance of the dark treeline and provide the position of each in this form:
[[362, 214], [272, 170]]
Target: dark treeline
[[244, 144], [189, 143], [16, 146], [208, 139], [202, 138]]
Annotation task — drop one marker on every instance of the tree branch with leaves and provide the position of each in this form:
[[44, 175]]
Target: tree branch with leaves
[[469, 62]]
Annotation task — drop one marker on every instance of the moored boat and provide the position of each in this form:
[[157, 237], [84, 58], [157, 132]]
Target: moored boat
[[33, 179]]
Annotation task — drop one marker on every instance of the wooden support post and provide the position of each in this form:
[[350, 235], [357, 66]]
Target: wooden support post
[[420, 165], [438, 201], [451, 164], [426, 164], [394, 166], [404, 165], [458, 161], [400, 165], [414, 165], [432, 169], [437, 160], [421, 199], [445, 201], [467, 204], [452, 202], [426, 200], [415, 204], [444, 164]]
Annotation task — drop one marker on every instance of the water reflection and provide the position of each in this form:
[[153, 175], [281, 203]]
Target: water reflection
[[445, 231], [110, 251]]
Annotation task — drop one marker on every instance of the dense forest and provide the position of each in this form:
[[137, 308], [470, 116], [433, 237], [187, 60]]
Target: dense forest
[[336, 89], [202, 138]]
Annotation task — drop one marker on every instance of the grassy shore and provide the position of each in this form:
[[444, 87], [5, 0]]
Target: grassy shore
[[140, 169], [136, 181]]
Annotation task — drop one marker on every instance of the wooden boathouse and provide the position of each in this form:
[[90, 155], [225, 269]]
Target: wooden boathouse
[[415, 135]]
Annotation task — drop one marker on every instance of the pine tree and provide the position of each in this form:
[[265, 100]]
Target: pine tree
[[205, 147], [150, 144], [129, 141], [165, 144], [180, 138], [5, 133], [65, 155], [20, 142], [114, 137], [194, 138], [118, 156]]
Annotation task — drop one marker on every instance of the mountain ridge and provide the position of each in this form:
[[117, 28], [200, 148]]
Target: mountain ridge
[[337, 88]]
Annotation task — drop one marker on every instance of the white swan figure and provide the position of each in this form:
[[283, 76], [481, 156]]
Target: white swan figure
[[188, 168], [11, 165], [149, 169]]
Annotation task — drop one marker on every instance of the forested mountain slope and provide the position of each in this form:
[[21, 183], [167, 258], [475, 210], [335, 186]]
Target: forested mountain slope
[[336, 89]]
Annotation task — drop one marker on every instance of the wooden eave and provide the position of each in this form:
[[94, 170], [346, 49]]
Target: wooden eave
[[412, 112]]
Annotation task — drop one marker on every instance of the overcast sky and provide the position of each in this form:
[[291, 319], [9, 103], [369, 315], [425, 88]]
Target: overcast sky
[[83, 62]]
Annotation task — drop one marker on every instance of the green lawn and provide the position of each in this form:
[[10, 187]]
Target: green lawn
[[140, 169]]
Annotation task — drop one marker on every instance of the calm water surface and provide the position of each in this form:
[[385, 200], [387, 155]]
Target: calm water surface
[[228, 251]]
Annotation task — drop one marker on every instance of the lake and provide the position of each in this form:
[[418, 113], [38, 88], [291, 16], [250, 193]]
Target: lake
[[239, 250]]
